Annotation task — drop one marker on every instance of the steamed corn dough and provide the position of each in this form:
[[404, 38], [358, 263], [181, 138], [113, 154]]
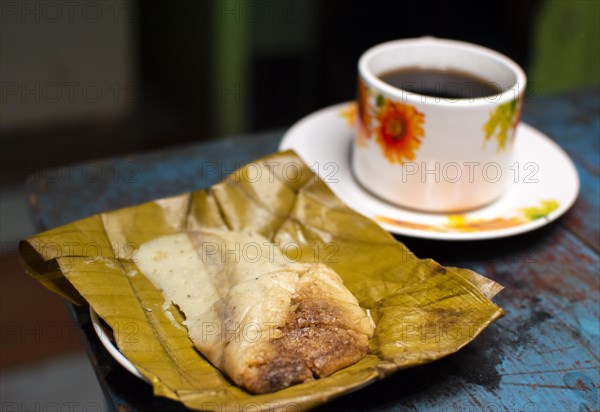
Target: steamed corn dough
[[266, 322]]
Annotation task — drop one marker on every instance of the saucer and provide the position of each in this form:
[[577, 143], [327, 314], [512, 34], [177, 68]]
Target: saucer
[[544, 182]]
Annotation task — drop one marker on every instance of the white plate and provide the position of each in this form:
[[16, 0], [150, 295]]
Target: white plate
[[105, 336], [544, 183]]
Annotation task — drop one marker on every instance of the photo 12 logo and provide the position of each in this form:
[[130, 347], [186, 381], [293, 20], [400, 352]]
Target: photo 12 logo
[[88, 252], [499, 406], [251, 407], [65, 406], [288, 172], [18, 333], [68, 92], [67, 12], [253, 252], [454, 172]]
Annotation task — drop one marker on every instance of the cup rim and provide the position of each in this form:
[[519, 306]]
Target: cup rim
[[513, 92]]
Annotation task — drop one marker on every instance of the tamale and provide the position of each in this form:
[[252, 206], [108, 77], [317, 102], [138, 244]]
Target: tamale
[[266, 321], [94, 261]]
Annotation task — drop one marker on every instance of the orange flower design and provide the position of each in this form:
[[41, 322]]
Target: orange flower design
[[399, 131], [349, 113], [364, 119], [364, 107]]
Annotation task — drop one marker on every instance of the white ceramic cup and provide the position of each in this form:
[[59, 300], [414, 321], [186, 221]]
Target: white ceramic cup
[[430, 153]]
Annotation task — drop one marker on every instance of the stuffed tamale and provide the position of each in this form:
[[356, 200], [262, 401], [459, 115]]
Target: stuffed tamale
[[264, 320]]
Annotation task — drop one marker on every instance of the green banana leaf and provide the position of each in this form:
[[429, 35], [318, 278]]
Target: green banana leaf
[[422, 311]]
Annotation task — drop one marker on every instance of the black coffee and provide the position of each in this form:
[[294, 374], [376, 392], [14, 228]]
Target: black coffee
[[450, 84]]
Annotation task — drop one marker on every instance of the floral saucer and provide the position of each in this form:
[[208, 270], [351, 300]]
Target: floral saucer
[[544, 182]]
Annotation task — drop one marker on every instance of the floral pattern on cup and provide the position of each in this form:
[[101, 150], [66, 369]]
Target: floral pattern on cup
[[399, 130], [397, 127], [365, 114], [502, 123], [349, 113]]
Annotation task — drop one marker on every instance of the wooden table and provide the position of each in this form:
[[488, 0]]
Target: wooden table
[[542, 356]]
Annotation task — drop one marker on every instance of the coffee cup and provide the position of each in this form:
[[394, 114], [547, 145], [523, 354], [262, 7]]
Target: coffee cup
[[436, 123]]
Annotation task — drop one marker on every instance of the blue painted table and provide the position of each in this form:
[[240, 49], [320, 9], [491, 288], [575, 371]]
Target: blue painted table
[[542, 356]]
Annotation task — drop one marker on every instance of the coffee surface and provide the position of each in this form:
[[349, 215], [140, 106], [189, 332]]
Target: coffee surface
[[450, 84]]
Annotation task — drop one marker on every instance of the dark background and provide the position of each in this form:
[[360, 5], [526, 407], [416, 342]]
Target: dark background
[[287, 82], [198, 70]]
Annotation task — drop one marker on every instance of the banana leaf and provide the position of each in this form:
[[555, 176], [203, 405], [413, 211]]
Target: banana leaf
[[422, 311]]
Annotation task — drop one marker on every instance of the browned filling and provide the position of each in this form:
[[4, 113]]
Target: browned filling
[[316, 342]]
